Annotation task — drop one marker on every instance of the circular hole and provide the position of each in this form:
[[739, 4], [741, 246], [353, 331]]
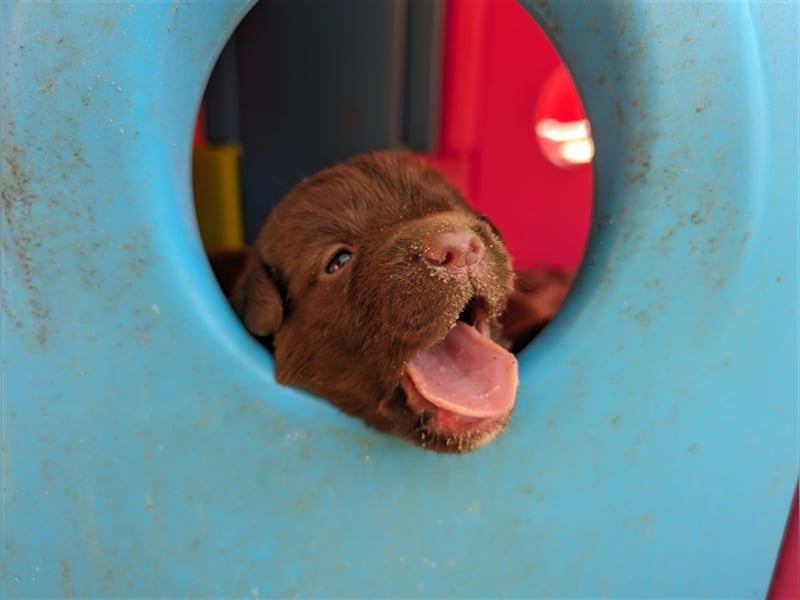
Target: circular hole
[[473, 86]]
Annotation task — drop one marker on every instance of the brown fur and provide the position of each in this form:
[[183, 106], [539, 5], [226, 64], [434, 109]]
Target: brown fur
[[537, 296], [347, 337]]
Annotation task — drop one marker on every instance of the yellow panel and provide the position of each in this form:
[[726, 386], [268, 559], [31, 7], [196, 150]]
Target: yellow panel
[[217, 197]]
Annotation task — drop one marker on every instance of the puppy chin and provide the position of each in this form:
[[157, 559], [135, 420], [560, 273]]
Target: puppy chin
[[446, 431], [408, 415]]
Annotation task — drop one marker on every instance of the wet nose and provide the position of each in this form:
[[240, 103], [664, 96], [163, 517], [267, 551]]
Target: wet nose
[[457, 251]]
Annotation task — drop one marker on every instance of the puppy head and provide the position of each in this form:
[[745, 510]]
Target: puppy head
[[380, 289]]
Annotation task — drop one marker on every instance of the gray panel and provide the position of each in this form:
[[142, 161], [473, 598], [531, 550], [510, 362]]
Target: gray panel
[[319, 81], [222, 98], [424, 56]]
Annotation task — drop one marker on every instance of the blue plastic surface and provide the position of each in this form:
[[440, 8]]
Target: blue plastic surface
[[148, 452]]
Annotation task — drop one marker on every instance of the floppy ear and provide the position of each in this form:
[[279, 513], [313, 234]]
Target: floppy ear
[[257, 300]]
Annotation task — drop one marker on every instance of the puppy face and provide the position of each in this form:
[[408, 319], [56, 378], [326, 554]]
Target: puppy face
[[380, 290]]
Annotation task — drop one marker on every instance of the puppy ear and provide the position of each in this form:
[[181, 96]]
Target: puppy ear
[[257, 300]]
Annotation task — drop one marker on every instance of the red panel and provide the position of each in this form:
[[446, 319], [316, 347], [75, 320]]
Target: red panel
[[465, 50], [200, 126], [786, 580], [496, 63]]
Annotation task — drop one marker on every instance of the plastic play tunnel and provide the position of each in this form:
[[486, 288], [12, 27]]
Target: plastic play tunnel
[[147, 450]]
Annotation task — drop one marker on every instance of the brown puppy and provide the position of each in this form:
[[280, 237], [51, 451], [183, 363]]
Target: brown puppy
[[537, 297], [380, 290]]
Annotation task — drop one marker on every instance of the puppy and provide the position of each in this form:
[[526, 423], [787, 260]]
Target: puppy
[[537, 297], [378, 288]]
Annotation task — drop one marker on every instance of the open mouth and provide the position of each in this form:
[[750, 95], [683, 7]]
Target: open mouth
[[474, 314], [465, 382]]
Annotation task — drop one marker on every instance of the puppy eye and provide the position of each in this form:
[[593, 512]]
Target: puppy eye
[[339, 261]]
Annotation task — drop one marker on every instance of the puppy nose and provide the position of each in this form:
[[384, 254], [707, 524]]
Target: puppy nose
[[457, 251]]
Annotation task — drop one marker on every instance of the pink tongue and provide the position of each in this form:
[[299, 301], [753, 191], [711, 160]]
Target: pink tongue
[[467, 374]]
